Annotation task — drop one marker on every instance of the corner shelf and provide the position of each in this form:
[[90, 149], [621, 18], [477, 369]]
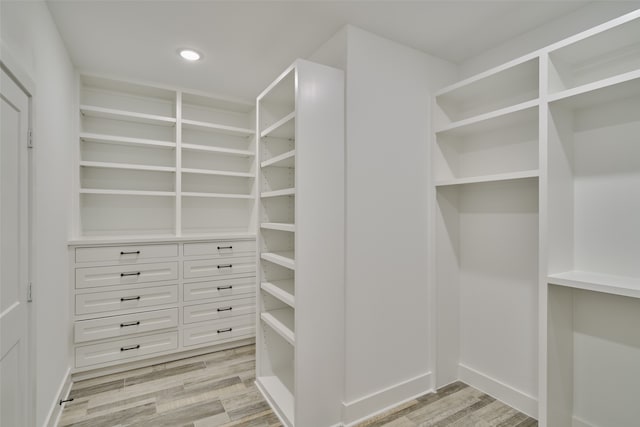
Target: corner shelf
[[283, 259], [490, 178], [110, 113], [216, 195], [280, 226], [284, 160], [608, 284], [283, 290], [281, 321]]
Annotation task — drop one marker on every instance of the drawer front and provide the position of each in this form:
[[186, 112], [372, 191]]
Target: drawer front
[[221, 249], [126, 254], [219, 288], [214, 332], [91, 277], [127, 324], [218, 310], [99, 302], [219, 267], [125, 349]]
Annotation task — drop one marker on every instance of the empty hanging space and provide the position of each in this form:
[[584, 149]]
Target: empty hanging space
[[511, 86], [487, 287], [503, 147], [586, 62]]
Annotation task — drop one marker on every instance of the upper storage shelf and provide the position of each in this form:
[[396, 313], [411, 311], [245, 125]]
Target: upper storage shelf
[[606, 51], [505, 87]]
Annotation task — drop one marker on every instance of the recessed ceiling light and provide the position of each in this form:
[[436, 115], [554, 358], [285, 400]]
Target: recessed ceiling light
[[189, 54]]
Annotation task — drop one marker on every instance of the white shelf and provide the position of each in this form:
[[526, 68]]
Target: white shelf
[[108, 165], [490, 178], [283, 290], [284, 160], [112, 139], [488, 121], [279, 193], [281, 321], [283, 128], [145, 238], [218, 173], [219, 150], [616, 285], [229, 130], [216, 195], [110, 113], [127, 192], [284, 259], [279, 396], [600, 92], [280, 226]]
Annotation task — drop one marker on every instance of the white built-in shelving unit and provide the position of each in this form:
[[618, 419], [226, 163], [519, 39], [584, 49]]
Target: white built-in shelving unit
[[536, 174], [160, 162], [301, 244]]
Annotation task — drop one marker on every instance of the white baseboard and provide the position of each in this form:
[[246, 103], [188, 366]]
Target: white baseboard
[[56, 409], [381, 401], [579, 422], [507, 394]]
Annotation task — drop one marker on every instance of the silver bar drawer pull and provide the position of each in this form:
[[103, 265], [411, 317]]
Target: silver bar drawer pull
[[222, 288], [225, 247], [137, 273], [130, 298], [225, 330], [124, 325], [225, 309], [130, 253], [225, 266], [131, 347]]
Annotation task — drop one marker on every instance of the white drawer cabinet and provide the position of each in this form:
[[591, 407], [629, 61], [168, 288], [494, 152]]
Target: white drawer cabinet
[[123, 325], [99, 302], [218, 310], [197, 291], [220, 249], [125, 348], [139, 301], [92, 277], [219, 267], [126, 254], [225, 330]]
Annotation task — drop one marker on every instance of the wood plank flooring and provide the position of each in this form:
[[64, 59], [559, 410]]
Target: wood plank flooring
[[217, 390]]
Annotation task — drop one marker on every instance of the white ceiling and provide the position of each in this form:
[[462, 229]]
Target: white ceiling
[[247, 43]]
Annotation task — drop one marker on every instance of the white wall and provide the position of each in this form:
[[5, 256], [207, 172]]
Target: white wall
[[582, 19], [31, 37], [388, 355]]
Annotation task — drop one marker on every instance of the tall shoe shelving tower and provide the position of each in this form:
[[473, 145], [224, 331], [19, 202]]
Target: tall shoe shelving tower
[[300, 122]]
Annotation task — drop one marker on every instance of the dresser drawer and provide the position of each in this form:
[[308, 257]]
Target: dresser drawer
[[218, 310], [125, 349], [214, 332], [127, 324], [219, 288], [219, 267], [99, 302], [91, 277], [126, 254], [221, 249]]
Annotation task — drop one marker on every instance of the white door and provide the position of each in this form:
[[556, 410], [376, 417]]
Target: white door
[[14, 252]]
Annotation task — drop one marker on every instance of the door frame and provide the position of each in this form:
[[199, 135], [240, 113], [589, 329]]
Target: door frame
[[10, 65]]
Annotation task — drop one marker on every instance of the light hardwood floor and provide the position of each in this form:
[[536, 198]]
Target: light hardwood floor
[[217, 389]]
